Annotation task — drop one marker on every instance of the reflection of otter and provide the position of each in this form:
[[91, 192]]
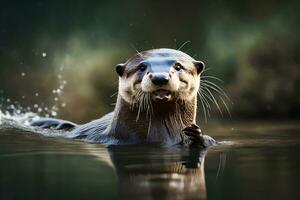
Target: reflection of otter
[[156, 173], [156, 103]]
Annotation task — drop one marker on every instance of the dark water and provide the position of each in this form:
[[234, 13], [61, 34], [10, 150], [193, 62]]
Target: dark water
[[261, 161]]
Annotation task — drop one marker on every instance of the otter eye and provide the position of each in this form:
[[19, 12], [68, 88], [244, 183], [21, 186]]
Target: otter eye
[[178, 67], [142, 67]]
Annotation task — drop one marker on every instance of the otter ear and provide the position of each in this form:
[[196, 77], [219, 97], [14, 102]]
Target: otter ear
[[120, 69], [199, 66]]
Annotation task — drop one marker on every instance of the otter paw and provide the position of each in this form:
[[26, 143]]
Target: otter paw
[[54, 124], [193, 136]]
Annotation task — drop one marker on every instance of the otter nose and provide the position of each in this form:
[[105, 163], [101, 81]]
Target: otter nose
[[159, 79]]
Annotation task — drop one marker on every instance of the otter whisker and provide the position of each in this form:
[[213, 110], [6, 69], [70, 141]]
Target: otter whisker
[[208, 108], [147, 106], [215, 87], [145, 103], [185, 43], [212, 77], [142, 104], [220, 95], [205, 95], [151, 104], [177, 117], [114, 94], [225, 106], [205, 70], [214, 99], [138, 102], [135, 100], [138, 113], [150, 107], [148, 112], [132, 103], [204, 110], [205, 102], [211, 84], [139, 53], [219, 92], [206, 86]]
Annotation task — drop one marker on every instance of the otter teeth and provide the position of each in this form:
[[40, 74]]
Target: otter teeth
[[162, 95]]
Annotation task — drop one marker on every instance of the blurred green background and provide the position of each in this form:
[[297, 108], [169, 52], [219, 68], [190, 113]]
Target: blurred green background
[[74, 45]]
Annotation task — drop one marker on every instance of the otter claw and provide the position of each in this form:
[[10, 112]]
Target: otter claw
[[194, 137]]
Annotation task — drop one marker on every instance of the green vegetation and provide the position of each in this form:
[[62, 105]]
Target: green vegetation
[[252, 45]]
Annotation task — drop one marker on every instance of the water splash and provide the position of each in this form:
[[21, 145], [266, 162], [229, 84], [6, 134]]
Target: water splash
[[22, 122], [15, 115], [17, 119]]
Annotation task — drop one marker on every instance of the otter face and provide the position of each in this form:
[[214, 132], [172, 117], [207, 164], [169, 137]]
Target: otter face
[[165, 74]]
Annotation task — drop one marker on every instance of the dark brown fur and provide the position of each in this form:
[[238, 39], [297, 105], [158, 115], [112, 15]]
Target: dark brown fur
[[137, 118]]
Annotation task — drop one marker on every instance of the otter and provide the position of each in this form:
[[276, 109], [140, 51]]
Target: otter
[[142, 177], [156, 104]]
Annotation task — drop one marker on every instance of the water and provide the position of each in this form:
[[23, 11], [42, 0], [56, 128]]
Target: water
[[257, 161], [16, 108]]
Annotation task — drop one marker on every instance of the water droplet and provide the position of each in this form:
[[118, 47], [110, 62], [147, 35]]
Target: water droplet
[[36, 94], [23, 74], [55, 99], [53, 113], [44, 54], [35, 106], [63, 105], [54, 108], [40, 110]]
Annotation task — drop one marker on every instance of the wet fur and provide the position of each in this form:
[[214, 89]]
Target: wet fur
[[136, 118], [121, 126]]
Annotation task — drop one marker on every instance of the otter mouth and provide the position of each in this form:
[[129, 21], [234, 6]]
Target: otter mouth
[[161, 95]]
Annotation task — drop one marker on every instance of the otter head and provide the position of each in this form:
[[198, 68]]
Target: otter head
[[164, 75]]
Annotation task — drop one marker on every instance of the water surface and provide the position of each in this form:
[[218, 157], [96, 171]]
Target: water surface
[[259, 160]]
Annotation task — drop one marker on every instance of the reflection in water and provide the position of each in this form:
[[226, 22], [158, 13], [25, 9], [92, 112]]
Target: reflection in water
[[53, 168], [222, 164], [155, 173], [256, 164]]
